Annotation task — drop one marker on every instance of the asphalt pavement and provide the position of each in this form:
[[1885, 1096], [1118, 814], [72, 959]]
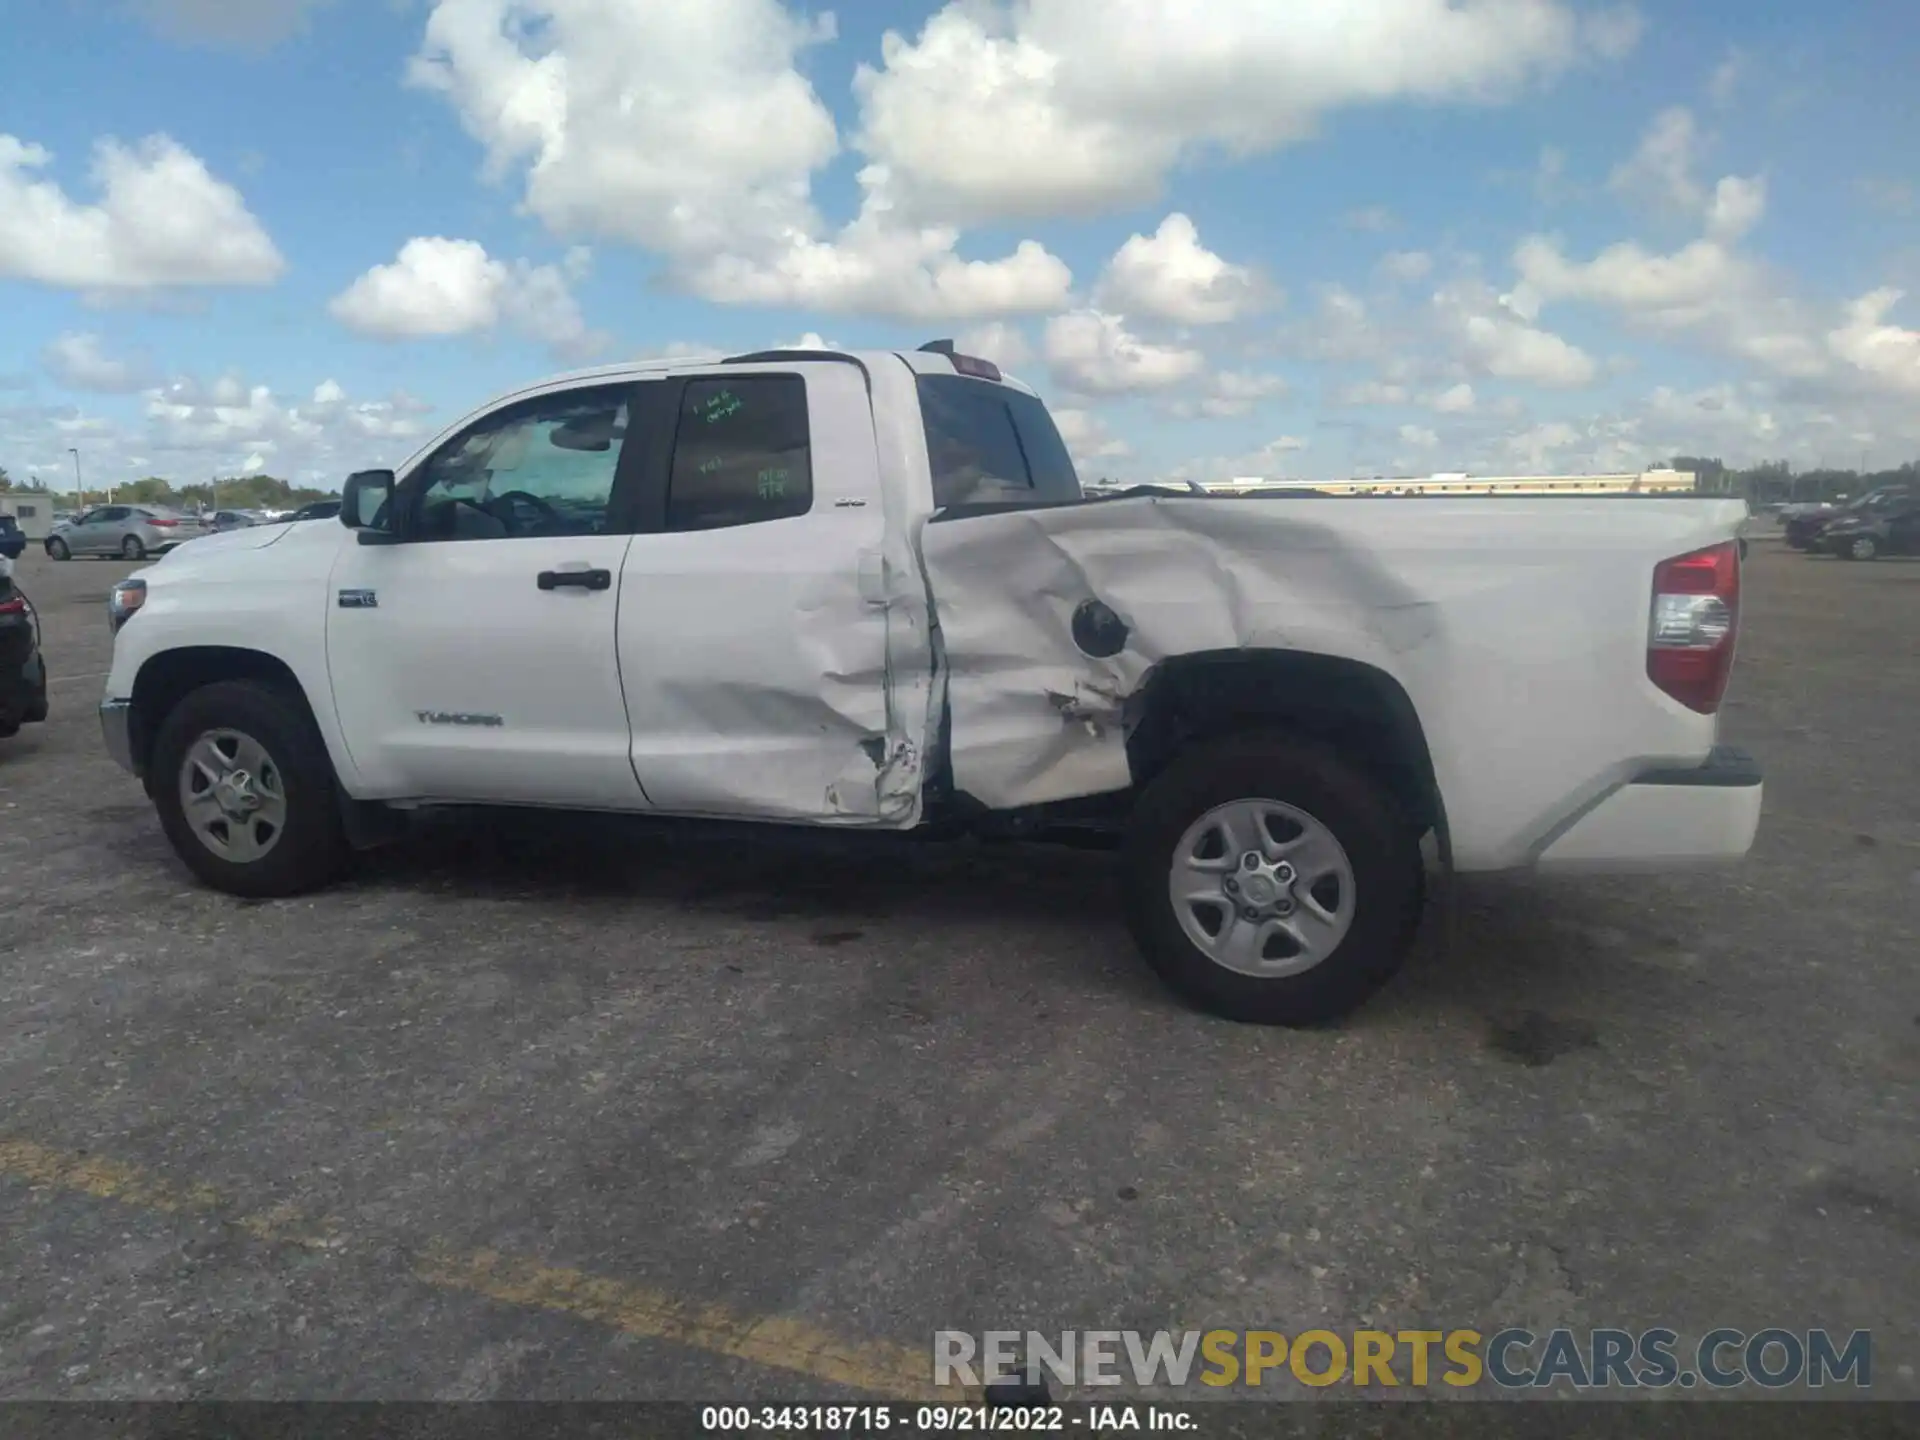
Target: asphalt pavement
[[530, 1109]]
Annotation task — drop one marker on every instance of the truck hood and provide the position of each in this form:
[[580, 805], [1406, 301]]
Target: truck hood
[[210, 547]]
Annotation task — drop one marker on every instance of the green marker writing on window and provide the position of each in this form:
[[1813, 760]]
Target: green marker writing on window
[[707, 467], [773, 484]]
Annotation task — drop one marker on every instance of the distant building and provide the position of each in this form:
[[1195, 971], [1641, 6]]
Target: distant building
[[32, 510], [1645, 482]]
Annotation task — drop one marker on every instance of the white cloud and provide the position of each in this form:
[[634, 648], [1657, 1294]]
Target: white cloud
[[189, 429], [874, 269], [1455, 400], [248, 25], [1237, 392], [1088, 440], [442, 287], [161, 220], [705, 159], [1093, 353], [1073, 106], [77, 361], [1887, 354], [1495, 338], [1659, 174], [1170, 275], [1375, 219], [1406, 266], [1419, 437], [1005, 345], [1371, 392], [1269, 461], [1736, 207], [1726, 79]]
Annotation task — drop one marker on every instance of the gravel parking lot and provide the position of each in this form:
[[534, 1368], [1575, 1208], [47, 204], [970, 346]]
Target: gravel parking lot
[[556, 1109]]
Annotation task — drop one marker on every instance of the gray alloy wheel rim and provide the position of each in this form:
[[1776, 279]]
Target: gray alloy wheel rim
[[1262, 888], [233, 795], [1863, 548], [131, 548]]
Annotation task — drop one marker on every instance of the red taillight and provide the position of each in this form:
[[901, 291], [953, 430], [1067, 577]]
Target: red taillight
[[1696, 615], [162, 524], [16, 606]]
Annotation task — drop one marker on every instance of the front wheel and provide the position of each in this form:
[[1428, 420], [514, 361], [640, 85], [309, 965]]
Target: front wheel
[[57, 549], [245, 790], [1272, 881], [1862, 547]]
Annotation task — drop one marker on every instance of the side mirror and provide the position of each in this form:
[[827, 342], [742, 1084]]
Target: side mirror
[[366, 505]]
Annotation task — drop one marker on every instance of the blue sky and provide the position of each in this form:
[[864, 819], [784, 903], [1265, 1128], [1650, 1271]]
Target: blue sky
[[1385, 236]]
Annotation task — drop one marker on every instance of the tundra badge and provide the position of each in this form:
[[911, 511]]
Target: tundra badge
[[359, 600]]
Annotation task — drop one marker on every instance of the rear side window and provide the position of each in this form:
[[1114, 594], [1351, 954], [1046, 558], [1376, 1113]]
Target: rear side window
[[741, 453], [990, 444]]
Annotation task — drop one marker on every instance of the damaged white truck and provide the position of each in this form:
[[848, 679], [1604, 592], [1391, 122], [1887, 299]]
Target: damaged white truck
[[865, 590]]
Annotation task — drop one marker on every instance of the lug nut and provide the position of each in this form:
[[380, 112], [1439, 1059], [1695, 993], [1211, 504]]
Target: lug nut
[[1283, 872], [1231, 886], [1249, 914], [1283, 907], [1251, 860]]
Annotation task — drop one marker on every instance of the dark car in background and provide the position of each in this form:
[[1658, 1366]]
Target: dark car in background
[[13, 540], [317, 510], [1803, 531], [23, 675], [1889, 528]]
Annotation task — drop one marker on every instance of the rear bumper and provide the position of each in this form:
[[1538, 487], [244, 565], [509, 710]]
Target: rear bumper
[[1667, 820]]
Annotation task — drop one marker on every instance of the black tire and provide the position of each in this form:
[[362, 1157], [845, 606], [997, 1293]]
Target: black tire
[[1863, 547], [133, 548], [312, 849], [57, 549], [1382, 846]]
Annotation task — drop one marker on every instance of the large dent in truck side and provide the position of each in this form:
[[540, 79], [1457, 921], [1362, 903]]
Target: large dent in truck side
[[1036, 719]]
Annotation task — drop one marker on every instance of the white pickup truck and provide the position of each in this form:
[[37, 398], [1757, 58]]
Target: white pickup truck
[[865, 590]]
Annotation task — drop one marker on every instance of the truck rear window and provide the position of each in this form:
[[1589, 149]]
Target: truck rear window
[[993, 445]]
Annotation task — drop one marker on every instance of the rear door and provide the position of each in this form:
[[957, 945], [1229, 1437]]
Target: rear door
[[754, 614]]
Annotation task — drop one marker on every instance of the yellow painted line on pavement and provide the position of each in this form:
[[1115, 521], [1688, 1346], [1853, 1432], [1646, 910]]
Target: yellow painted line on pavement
[[776, 1342]]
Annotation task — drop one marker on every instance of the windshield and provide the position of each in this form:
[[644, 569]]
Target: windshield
[[991, 444]]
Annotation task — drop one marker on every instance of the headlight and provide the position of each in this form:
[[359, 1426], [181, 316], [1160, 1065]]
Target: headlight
[[124, 600]]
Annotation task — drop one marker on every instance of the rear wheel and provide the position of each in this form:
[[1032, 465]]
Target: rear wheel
[[57, 549], [133, 548], [245, 790], [1270, 880], [1862, 547]]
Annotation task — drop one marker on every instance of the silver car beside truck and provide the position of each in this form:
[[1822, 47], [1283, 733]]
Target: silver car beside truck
[[131, 532]]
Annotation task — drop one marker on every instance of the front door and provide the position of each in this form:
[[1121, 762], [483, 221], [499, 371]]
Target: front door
[[474, 659], [98, 531]]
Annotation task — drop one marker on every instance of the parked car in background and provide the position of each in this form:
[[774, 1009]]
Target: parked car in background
[[222, 521], [23, 675], [1805, 529], [318, 510], [1889, 528], [13, 540], [132, 532]]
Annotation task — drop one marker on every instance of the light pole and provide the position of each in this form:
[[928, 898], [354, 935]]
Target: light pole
[[80, 491]]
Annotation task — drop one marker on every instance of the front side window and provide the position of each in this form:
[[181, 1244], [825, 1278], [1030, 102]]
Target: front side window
[[741, 453], [543, 467], [991, 444]]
